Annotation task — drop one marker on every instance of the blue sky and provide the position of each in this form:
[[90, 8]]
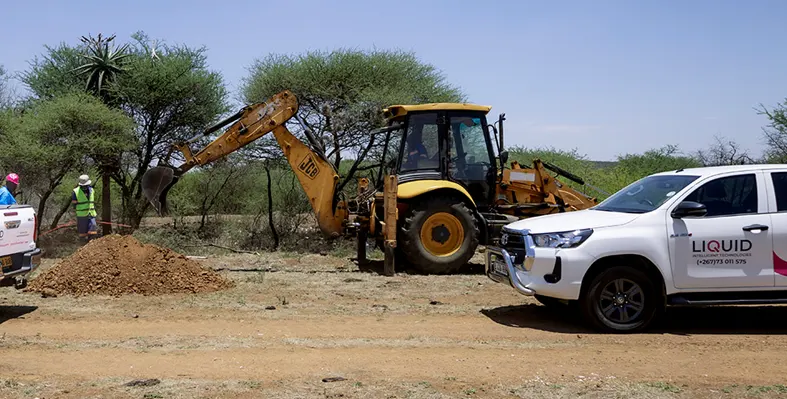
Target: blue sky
[[603, 77]]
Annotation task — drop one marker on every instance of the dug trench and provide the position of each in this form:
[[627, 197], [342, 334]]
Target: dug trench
[[303, 320]]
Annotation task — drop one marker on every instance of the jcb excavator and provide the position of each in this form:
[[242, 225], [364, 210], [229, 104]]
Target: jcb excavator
[[444, 193]]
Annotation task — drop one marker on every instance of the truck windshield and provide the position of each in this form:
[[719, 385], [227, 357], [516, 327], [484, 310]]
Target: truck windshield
[[645, 194]]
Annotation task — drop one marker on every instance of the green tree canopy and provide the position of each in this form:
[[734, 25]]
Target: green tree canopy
[[55, 137], [341, 93], [5, 90], [171, 98], [655, 161], [775, 132], [54, 72]]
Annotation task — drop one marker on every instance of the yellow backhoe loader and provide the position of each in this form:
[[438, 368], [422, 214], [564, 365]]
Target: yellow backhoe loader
[[443, 192]]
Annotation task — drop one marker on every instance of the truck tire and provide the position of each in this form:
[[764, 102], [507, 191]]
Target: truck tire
[[621, 300], [439, 235]]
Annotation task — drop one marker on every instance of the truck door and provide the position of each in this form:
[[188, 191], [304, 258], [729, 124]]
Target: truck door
[[729, 247], [776, 181]]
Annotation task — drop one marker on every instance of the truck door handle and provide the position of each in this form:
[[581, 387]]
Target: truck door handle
[[755, 227]]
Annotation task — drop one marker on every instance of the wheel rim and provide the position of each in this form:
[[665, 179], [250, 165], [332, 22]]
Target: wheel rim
[[622, 301], [442, 234]]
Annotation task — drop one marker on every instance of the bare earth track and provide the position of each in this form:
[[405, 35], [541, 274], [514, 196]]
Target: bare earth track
[[281, 331]]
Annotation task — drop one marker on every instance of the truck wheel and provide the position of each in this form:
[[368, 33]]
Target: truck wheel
[[439, 235], [621, 300]]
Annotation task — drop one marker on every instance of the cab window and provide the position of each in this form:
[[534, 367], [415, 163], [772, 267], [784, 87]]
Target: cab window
[[469, 152], [421, 148], [733, 195]]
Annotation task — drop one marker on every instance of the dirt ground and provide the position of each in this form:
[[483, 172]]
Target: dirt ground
[[289, 323]]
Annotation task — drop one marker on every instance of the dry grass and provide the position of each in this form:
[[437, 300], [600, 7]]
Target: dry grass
[[448, 387], [293, 320]]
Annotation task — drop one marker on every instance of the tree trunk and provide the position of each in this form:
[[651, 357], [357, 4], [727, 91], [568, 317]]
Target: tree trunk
[[135, 219], [106, 201], [134, 207], [270, 208], [203, 214], [61, 212], [42, 207]]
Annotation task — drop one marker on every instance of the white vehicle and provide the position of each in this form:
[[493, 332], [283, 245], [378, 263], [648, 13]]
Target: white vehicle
[[19, 254], [704, 236]]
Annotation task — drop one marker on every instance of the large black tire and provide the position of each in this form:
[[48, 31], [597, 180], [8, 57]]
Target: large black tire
[[612, 294], [446, 251]]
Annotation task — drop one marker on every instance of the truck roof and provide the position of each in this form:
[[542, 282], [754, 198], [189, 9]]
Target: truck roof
[[715, 170]]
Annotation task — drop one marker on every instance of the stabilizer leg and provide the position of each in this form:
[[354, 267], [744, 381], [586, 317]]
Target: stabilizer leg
[[389, 228]]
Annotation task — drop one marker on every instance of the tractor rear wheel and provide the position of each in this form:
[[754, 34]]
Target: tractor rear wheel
[[439, 235]]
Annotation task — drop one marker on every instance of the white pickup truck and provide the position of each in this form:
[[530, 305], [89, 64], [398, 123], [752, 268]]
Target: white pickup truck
[[704, 236], [19, 254]]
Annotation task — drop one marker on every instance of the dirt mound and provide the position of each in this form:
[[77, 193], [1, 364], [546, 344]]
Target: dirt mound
[[116, 265]]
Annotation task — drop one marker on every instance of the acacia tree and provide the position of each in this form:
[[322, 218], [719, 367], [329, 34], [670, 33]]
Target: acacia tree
[[52, 137], [54, 72], [171, 97], [341, 93]]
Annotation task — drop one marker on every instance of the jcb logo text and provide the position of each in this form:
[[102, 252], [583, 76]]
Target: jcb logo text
[[309, 167]]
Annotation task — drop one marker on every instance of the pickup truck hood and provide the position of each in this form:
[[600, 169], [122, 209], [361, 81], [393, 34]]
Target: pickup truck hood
[[569, 221]]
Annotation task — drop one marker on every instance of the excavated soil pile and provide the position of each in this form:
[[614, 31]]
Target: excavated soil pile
[[116, 265]]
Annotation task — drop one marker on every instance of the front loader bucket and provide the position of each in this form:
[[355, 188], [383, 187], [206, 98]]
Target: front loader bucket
[[156, 183]]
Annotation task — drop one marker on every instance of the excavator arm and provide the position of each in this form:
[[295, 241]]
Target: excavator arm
[[317, 176]]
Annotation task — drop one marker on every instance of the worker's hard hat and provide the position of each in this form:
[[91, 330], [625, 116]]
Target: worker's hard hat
[[13, 178], [84, 180]]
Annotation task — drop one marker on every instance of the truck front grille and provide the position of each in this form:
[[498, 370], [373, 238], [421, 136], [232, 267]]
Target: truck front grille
[[514, 244]]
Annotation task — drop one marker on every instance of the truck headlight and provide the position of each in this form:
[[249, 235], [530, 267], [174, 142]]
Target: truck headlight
[[568, 239]]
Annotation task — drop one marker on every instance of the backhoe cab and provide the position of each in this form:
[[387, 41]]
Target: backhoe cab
[[454, 193], [440, 190]]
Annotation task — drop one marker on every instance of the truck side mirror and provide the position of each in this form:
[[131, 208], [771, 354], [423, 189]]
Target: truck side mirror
[[504, 158], [689, 208]]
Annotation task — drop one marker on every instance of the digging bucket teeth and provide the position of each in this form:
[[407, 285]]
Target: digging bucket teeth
[[156, 183]]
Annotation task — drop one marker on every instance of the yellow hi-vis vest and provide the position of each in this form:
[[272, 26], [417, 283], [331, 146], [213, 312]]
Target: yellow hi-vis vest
[[85, 207]]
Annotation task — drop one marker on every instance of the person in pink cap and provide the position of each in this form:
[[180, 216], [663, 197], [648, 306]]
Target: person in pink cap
[[7, 191]]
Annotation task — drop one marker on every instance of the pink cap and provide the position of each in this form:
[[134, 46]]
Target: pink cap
[[13, 178]]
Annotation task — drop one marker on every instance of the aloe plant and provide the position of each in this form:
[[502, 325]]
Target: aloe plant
[[103, 62]]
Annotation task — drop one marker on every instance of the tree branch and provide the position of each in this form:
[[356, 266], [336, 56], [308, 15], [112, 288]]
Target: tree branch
[[358, 160]]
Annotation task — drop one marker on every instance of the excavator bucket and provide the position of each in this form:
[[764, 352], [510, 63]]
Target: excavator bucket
[[156, 183]]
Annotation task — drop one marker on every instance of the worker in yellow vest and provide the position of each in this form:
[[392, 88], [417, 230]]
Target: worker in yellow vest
[[83, 199]]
